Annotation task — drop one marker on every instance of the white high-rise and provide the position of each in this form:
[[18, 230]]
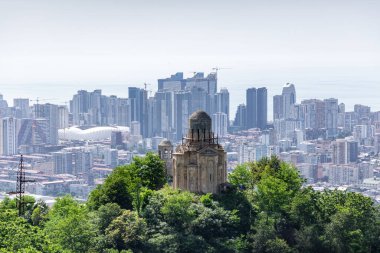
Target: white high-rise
[[8, 140], [219, 124]]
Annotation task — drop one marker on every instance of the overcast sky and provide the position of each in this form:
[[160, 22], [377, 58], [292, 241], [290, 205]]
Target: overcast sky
[[130, 42]]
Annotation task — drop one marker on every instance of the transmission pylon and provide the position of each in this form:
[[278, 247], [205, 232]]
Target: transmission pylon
[[20, 187]]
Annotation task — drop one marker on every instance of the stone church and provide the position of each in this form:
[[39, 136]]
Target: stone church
[[199, 163]]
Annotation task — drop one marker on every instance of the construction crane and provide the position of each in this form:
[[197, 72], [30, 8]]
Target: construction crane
[[37, 100], [145, 88], [217, 69], [145, 85]]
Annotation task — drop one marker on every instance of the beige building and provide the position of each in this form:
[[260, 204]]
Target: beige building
[[165, 151], [199, 163]]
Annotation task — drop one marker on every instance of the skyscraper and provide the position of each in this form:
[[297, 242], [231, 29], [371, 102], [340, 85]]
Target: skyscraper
[[262, 108], [182, 111], [8, 140], [63, 118], [21, 106], [240, 121], [138, 106], [257, 108], [251, 108], [288, 99], [163, 113], [63, 162], [331, 117], [278, 111], [3, 107], [219, 125], [223, 103], [50, 113]]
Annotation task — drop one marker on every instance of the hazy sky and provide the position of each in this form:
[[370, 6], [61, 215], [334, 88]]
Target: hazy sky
[[107, 44]]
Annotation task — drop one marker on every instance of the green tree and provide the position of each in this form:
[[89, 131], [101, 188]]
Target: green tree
[[115, 189], [150, 169], [106, 214], [242, 176], [69, 225], [277, 187], [17, 235], [127, 232], [277, 246], [39, 213], [127, 185]]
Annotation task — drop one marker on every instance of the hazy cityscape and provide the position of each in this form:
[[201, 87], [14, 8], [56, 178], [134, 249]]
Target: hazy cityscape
[[189, 126], [70, 148]]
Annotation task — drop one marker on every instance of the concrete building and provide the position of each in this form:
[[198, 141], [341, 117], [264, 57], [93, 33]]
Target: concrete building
[[63, 162], [220, 124], [331, 117], [199, 164], [8, 134], [22, 109], [257, 108], [288, 99]]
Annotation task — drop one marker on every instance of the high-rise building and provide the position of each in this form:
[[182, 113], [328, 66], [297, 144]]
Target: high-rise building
[[240, 121], [198, 92], [199, 99], [219, 125], [341, 113], [111, 157], [331, 117], [174, 83], [50, 113], [82, 162], [8, 134], [208, 84], [22, 109], [63, 162], [63, 117], [138, 105], [312, 114], [3, 107], [123, 109], [79, 106], [251, 108], [345, 151], [288, 99], [182, 111], [257, 108], [25, 132], [163, 113], [116, 139], [278, 104], [262, 108], [223, 103]]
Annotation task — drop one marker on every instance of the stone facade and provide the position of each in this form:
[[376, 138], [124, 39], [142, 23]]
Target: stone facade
[[199, 163], [165, 150]]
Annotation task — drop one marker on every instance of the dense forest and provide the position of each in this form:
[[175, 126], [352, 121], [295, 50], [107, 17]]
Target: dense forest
[[266, 208]]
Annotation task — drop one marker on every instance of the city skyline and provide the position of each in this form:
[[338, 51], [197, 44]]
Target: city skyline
[[234, 103], [50, 49]]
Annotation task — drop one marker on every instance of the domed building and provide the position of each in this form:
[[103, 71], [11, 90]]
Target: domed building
[[199, 163]]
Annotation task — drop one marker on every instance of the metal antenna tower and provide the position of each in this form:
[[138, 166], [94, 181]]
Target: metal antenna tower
[[20, 187]]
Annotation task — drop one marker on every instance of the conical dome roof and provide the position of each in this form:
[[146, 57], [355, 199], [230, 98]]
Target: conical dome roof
[[200, 120]]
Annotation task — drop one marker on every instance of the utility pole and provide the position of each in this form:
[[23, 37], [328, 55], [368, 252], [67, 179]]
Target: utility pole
[[20, 187]]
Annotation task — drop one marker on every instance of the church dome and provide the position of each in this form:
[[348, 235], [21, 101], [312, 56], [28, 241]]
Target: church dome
[[200, 120], [165, 143]]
